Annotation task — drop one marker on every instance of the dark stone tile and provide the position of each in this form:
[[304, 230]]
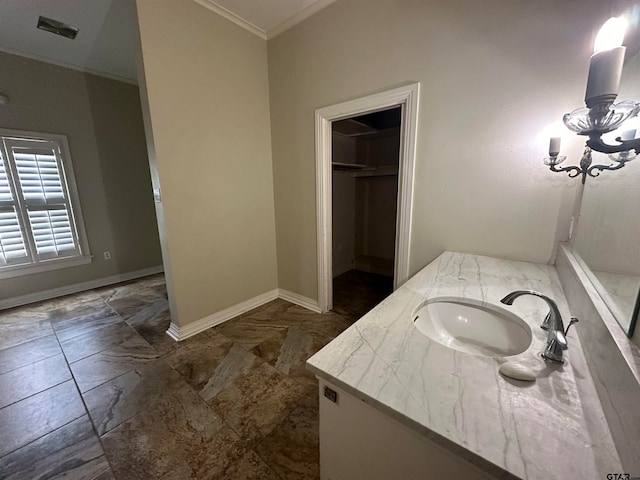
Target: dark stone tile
[[323, 328], [25, 381], [72, 451], [109, 364], [154, 283], [68, 302], [156, 280], [22, 324], [33, 417], [29, 352], [118, 334], [355, 293], [143, 389], [85, 315], [182, 456], [237, 363], [106, 475], [257, 401], [297, 347], [239, 386], [261, 337], [250, 467], [197, 358], [160, 289], [292, 448], [268, 311], [80, 314], [131, 303], [288, 339], [179, 438], [152, 324]]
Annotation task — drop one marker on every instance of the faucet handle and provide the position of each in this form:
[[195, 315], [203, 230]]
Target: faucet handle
[[555, 346], [547, 321], [573, 320], [562, 336]]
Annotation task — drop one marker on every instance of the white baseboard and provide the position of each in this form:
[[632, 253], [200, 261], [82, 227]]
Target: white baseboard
[[298, 299], [174, 332], [181, 333], [77, 287]]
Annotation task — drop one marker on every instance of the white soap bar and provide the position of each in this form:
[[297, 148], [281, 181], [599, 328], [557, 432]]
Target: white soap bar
[[517, 371]]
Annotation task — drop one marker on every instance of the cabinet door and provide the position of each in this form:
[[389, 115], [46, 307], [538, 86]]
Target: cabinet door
[[358, 442]]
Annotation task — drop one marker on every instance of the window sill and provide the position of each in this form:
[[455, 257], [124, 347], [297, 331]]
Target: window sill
[[20, 270]]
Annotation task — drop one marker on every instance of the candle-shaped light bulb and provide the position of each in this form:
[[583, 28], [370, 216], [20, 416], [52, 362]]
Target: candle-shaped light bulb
[[605, 68], [611, 35], [628, 135], [554, 146]]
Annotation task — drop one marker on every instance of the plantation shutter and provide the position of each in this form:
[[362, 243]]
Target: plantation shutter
[[43, 204], [12, 245]]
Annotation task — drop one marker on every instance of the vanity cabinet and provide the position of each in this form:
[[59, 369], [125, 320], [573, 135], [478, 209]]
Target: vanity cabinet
[[411, 408], [359, 442]]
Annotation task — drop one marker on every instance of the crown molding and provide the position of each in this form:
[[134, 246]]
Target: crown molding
[[303, 14], [278, 29], [229, 15]]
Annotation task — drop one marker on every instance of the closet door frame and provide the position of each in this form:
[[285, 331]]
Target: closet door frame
[[406, 97]]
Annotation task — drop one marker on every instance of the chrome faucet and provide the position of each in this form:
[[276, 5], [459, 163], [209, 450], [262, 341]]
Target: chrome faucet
[[557, 335]]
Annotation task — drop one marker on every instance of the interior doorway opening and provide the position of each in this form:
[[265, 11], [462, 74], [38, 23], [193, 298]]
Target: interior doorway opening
[[400, 100], [365, 152]]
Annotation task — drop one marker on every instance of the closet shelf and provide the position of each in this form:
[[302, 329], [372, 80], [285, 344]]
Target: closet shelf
[[391, 170], [351, 166], [360, 170]]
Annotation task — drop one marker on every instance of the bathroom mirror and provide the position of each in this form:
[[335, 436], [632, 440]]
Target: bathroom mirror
[[607, 233]]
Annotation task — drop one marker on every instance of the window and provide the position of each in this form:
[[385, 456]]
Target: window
[[41, 226]]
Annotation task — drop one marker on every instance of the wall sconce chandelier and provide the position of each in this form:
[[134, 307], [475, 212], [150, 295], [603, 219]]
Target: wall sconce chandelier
[[601, 115]]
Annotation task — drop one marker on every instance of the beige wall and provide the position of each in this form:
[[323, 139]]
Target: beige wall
[[208, 96], [492, 74], [102, 121]]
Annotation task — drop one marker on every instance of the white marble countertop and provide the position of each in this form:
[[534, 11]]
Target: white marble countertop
[[551, 428]]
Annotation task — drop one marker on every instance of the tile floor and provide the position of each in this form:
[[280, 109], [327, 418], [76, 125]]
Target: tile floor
[[356, 292], [91, 387]]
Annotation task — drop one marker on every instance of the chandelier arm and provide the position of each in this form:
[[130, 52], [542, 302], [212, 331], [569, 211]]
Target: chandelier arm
[[595, 143], [573, 171], [602, 168]]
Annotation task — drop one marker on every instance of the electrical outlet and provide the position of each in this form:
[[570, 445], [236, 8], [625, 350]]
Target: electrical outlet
[[331, 394], [107, 255]]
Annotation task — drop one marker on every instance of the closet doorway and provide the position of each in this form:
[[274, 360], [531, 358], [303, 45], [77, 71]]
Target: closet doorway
[[365, 160], [365, 156]]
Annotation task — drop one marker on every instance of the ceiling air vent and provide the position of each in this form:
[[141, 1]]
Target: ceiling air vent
[[59, 28]]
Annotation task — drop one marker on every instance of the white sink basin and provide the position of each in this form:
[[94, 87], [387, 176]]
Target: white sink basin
[[476, 329]]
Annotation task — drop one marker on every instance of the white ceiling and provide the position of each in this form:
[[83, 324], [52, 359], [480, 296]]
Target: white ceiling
[[107, 43]]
